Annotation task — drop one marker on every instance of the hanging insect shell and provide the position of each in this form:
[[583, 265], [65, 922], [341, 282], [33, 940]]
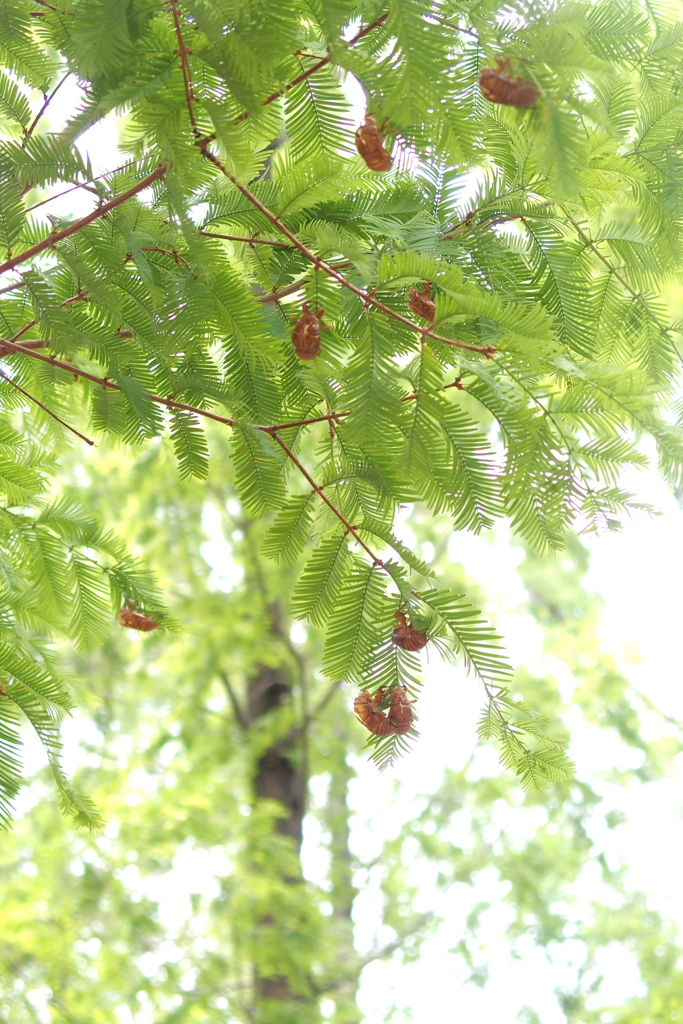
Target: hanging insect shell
[[369, 145], [131, 618], [499, 86], [364, 708], [306, 334], [401, 711], [406, 636], [421, 302]]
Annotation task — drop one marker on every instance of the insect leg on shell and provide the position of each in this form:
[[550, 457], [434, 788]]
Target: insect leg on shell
[[369, 143], [406, 636], [306, 333], [131, 618], [499, 86], [420, 301]]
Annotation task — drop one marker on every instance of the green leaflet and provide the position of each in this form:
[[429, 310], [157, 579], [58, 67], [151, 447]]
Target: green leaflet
[[258, 470], [287, 536], [189, 444], [351, 631], [325, 573]]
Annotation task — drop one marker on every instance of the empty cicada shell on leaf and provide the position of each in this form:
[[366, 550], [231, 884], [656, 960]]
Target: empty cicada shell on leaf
[[498, 86], [131, 618], [406, 636], [421, 303], [400, 711], [369, 144], [364, 708], [397, 720], [306, 334]]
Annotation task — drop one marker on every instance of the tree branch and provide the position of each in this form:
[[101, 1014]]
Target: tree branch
[[78, 225], [54, 415], [48, 100], [249, 241], [82, 184], [319, 491], [316, 67]]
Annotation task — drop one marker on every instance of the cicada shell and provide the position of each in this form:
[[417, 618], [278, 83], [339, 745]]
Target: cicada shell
[[401, 711], [421, 303], [369, 145], [133, 619], [406, 636], [364, 708], [306, 334], [498, 86]]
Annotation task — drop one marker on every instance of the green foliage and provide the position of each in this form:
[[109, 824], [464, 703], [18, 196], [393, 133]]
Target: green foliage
[[546, 234]]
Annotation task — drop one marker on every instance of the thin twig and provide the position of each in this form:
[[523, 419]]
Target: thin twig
[[12, 287], [48, 100], [316, 67], [280, 293], [78, 225], [182, 52], [319, 491], [33, 343], [249, 241], [78, 297], [54, 415], [82, 184], [9, 347], [171, 253], [587, 241]]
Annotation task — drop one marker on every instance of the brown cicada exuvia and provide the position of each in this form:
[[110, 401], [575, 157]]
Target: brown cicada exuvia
[[396, 720], [499, 86], [306, 333], [406, 636], [421, 303], [131, 618], [369, 143]]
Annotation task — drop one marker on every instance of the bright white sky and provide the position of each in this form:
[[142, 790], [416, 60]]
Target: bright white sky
[[638, 572]]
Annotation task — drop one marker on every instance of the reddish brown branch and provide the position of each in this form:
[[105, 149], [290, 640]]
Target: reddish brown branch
[[280, 293], [49, 7], [48, 100], [78, 225], [249, 241], [183, 52], [320, 264], [273, 431], [33, 343], [82, 184], [79, 297], [54, 415], [315, 67], [12, 287]]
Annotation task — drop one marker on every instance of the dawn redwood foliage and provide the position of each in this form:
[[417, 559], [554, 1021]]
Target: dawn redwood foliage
[[539, 227]]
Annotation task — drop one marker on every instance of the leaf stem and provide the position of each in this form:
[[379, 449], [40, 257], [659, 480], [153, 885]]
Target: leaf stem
[[316, 67], [46, 104], [54, 415], [78, 225]]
